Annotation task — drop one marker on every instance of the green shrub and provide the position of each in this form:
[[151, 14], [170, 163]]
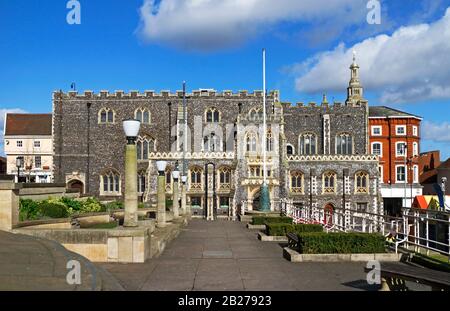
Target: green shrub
[[114, 205], [275, 229], [92, 205], [53, 210], [141, 205], [261, 220], [341, 243], [29, 210]]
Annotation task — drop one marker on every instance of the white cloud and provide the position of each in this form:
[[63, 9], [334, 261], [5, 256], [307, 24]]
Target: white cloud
[[436, 132], [3, 113], [214, 24], [412, 64]]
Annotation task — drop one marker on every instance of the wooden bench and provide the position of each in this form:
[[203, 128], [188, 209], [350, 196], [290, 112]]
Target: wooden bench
[[292, 240], [394, 275]]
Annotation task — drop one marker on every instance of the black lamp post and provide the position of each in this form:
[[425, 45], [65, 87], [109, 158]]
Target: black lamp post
[[18, 165]]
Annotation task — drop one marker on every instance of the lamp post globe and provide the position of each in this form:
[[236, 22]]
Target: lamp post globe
[[131, 128], [161, 166]]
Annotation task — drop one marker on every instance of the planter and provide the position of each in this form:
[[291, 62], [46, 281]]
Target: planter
[[295, 256], [272, 238]]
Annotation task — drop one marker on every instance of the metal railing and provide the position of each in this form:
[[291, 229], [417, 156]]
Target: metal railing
[[419, 229]]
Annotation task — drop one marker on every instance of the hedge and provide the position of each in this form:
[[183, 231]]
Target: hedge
[[341, 243], [261, 220], [274, 229]]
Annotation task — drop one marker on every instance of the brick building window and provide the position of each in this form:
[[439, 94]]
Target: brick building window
[[329, 182], [344, 144], [110, 183], [362, 182], [400, 173], [106, 115], [400, 149], [296, 182], [377, 149], [143, 115], [415, 131], [400, 130], [308, 143], [376, 130], [212, 115], [37, 162]]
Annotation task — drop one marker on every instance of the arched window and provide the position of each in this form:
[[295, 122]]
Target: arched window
[[255, 114], [344, 144], [168, 175], [329, 182], [269, 140], [362, 182], [144, 146], [211, 143], [289, 150], [212, 115], [251, 142], [143, 115], [110, 183], [196, 178], [106, 115], [224, 178], [296, 182], [308, 144], [141, 182]]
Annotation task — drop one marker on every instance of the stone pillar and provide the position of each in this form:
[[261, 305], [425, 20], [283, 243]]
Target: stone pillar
[[9, 204], [161, 205], [131, 196], [176, 207], [183, 199]]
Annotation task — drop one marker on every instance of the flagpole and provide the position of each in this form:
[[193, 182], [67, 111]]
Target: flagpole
[[264, 201]]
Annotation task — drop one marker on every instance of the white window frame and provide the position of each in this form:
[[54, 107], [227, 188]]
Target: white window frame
[[396, 174], [415, 149], [19, 143], [37, 144], [415, 174], [377, 127], [396, 149], [381, 148], [381, 171], [397, 127], [415, 130], [35, 162]]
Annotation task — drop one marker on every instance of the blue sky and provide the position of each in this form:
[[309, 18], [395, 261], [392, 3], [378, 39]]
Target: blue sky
[[146, 44]]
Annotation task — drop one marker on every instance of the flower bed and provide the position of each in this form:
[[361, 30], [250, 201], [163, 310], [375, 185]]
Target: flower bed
[[62, 208]]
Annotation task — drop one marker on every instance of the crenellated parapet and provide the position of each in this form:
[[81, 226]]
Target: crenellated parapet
[[119, 94], [191, 155], [333, 158]]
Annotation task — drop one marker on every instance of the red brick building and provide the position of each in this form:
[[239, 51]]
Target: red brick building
[[395, 137]]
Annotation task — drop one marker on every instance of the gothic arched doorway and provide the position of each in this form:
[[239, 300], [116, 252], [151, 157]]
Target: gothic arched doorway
[[76, 185], [328, 214]]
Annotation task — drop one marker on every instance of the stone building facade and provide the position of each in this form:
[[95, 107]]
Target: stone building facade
[[317, 155]]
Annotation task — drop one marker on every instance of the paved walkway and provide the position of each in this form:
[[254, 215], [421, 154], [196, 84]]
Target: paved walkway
[[33, 264], [225, 255]]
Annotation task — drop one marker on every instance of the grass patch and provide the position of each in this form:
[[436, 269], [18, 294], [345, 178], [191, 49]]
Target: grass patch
[[434, 261]]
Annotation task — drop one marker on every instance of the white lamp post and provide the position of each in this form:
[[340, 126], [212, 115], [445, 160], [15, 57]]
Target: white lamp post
[[161, 203], [131, 128], [176, 207]]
